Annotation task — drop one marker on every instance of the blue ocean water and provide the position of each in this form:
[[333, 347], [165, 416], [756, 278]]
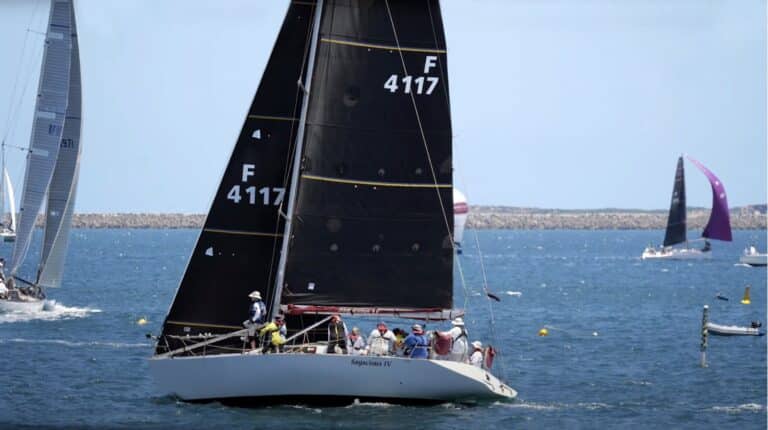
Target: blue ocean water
[[622, 349]]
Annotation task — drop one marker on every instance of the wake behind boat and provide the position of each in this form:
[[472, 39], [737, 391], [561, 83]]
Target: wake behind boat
[[718, 226], [53, 162], [361, 151]]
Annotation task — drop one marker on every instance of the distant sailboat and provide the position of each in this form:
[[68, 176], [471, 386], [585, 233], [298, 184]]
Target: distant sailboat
[[460, 213], [360, 149], [53, 162], [718, 227], [7, 228]]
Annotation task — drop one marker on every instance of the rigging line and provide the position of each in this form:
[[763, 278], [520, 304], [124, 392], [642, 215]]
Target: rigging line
[[421, 130], [448, 105], [18, 74], [491, 314], [426, 149], [291, 148]]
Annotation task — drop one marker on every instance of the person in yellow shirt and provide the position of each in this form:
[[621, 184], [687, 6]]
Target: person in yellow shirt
[[274, 335]]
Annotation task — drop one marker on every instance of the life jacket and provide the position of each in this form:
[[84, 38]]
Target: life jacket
[[490, 352], [442, 343]]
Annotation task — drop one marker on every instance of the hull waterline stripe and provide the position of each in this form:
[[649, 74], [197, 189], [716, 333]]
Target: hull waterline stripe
[[273, 118], [203, 325], [375, 183], [242, 233], [384, 47]]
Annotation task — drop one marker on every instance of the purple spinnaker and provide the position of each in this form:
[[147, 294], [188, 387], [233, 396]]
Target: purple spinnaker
[[719, 225]]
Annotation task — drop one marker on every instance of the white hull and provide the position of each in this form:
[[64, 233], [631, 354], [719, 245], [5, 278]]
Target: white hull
[[675, 254], [732, 330], [8, 236], [754, 259], [21, 305], [323, 377]]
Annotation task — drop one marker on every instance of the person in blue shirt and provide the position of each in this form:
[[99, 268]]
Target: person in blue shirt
[[258, 312], [416, 344]]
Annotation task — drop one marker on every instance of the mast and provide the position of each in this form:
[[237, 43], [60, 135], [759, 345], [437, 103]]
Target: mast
[[2, 185], [280, 278]]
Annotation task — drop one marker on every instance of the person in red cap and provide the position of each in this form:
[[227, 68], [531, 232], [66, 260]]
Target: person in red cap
[[381, 340]]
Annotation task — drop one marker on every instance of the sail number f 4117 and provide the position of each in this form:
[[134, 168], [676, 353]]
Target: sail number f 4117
[[256, 195], [415, 84]]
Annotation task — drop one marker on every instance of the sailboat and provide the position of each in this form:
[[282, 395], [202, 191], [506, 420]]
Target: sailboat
[[53, 162], [7, 228], [718, 227], [336, 200], [460, 213]]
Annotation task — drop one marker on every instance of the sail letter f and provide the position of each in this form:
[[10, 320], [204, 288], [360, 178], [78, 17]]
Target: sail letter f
[[248, 171]]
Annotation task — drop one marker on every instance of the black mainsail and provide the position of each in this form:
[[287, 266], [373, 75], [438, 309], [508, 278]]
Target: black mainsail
[[676, 223], [237, 250], [373, 219]]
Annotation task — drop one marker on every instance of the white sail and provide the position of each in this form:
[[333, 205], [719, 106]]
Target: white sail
[[62, 190], [460, 212], [11, 200], [47, 125]]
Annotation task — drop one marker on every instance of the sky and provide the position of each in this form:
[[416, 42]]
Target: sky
[[569, 104]]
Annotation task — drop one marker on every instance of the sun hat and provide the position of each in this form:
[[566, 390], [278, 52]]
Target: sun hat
[[417, 328], [255, 295], [458, 321], [477, 344]]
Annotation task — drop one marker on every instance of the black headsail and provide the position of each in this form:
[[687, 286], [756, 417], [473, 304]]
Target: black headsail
[[676, 224], [372, 223], [237, 251]]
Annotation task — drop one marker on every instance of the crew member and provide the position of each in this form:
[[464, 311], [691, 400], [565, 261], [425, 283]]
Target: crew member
[[380, 340], [274, 334], [416, 344], [336, 335]]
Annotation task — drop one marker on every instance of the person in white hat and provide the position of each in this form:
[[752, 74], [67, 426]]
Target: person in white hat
[[258, 312], [459, 350], [476, 359]]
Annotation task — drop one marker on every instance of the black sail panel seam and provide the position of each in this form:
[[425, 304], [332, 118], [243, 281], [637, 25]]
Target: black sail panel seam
[[383, 47]]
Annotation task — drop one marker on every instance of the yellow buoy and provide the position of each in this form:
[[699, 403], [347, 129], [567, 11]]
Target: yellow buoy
[[141, 321], [745, 300], [543, 332]]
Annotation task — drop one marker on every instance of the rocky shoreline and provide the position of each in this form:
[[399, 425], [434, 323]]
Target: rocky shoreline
[[482, 217]]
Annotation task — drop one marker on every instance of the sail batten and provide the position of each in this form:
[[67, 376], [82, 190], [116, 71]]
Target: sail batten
[[719, 224], [48, 124], [676, 223]]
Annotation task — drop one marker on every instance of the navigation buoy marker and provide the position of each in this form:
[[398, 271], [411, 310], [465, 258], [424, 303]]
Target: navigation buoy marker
[[746, 300], [141, 321], [543, 332]]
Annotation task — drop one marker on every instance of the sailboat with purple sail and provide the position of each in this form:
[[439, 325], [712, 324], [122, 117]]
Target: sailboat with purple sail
[[718, 227]]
